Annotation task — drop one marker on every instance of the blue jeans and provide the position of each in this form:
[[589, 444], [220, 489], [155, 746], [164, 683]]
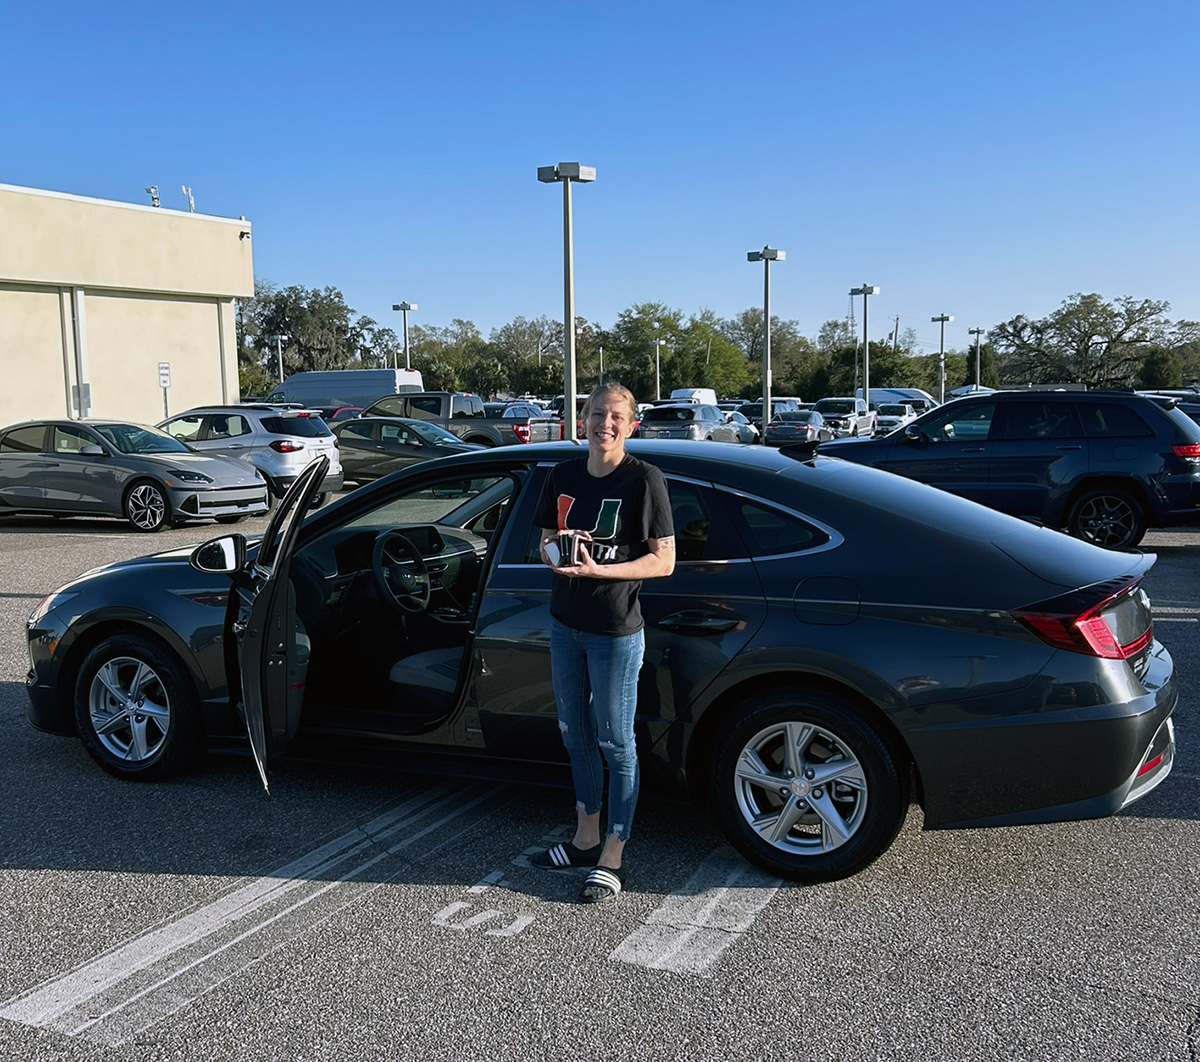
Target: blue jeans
[[595, 687]]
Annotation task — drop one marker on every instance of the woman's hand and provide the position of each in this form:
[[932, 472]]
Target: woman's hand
[[586, 568]]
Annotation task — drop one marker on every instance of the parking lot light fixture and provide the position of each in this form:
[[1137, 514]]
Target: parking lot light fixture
[[565, 173], [942, 319], [865, 291], [978, 333], [279, 351], [767, 255], [404, 307]]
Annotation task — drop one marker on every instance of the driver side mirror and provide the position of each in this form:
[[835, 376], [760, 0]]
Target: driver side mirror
[[912, 435], [92, 450], [221, 556]]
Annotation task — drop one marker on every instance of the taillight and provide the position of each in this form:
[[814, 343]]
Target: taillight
[[1061, 623], [522, 432], [1188, 451], [285, 446]]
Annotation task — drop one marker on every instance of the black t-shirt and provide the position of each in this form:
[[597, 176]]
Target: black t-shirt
[[621, 511]]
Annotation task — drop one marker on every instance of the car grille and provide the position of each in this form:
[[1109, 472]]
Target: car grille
[[224, 500]]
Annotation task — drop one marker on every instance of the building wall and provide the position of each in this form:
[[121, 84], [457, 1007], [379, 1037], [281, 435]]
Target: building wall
[[101, 293]]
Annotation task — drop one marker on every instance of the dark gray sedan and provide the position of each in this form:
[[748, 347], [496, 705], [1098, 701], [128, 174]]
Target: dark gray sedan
[[371, 447], [113, 468]]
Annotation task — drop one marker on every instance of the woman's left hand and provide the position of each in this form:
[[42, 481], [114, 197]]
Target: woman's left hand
[[586, 568]]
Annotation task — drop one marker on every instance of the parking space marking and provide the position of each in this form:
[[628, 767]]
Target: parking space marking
[[118, 994], [690, 930], [495, 879]]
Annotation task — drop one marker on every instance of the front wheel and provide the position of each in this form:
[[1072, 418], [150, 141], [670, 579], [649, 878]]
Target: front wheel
[[1107, 516], [146, 507], [804, 786], [135, 709]]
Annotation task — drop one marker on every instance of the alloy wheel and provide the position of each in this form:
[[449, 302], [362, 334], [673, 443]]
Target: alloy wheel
[[129, 708], [800, 788], [146, 507], [1107, 520]]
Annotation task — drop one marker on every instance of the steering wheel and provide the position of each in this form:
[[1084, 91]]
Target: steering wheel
[[401, 572]]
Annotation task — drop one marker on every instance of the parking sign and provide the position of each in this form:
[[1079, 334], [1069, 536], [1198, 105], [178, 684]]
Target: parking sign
[[164, 374]]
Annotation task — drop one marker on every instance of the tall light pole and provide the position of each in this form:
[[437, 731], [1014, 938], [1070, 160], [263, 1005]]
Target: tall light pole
[[566, 172], [767, 255], [658, 342], [864, 291], [404, 307], [279, 352], [978, 333], [942, 318]]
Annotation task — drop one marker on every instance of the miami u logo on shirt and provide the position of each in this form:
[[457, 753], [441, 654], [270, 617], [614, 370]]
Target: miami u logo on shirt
[[606, 522]]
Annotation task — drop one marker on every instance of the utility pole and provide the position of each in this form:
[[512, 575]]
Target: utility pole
[[896, 337]]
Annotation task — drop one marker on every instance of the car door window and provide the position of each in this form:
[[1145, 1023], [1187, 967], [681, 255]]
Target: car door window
[[185, 428], [1111, 420], [1040, 420], [357, 431], [227, 426], [70, 440], [425, 408], [24, 441], [397, 434], [970, 424]]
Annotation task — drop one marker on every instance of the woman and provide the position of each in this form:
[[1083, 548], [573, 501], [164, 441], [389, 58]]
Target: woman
[[621, 507]]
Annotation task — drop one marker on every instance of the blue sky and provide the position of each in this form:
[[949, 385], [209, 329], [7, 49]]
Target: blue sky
[[978, 160]]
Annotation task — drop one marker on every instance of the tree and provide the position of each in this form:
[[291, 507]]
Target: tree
[[1161, 368], [1086, 340], [796, 363], [988, 376]]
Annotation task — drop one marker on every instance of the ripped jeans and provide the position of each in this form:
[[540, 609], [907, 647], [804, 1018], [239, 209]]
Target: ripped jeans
[[595, 688]]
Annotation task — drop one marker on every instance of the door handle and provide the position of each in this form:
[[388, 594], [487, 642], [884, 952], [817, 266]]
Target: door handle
[[973, 450], [696, 622], [1064, 448], [238, 627]]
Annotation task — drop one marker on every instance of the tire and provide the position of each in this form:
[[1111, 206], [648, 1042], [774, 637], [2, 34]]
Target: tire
[[1107, 516], [822, 833], [146, 507], [119, 676]]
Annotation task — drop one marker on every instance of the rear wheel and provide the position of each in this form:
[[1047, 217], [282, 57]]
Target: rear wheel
[[146, 506], [805, 786], [135, 709], [1107, 516]]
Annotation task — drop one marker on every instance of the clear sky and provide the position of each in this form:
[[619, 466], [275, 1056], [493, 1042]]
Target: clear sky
[[981, 160]]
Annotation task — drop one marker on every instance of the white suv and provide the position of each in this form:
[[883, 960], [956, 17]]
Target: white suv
[[277, 440]]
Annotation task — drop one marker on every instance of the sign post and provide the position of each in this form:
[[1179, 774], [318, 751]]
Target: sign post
[[164, 381]]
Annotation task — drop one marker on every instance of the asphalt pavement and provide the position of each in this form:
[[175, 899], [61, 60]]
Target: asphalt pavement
[[363, 913]]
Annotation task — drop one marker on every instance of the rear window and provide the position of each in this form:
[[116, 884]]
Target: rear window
[[24, 440], [667, 415], [1110, 420], [771, 532], [297, 427]]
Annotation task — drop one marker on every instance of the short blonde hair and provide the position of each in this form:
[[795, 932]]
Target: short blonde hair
[[620, 390]]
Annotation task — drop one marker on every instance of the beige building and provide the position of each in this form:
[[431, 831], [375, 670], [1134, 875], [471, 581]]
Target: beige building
[[95, 296]]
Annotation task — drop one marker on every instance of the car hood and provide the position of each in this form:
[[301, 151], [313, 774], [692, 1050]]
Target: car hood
[[224, 471]]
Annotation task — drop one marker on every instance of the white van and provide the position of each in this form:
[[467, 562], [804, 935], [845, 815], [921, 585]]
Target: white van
[[345, 387], [704, 395]]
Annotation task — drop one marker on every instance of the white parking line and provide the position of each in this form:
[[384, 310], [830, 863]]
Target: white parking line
[[691, 928], [118, 994]]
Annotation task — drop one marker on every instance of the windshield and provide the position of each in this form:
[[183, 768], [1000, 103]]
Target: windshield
[[836, 405], [892, 411], [140, 439], [431, 433]]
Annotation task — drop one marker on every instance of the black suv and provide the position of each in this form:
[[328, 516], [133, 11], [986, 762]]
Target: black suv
[[1104, 465]]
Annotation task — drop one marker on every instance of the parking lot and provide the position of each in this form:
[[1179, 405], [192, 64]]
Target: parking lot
[[365, 913]]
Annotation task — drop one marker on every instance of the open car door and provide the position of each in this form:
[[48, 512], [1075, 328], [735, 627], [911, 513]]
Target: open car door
[[270, 649]]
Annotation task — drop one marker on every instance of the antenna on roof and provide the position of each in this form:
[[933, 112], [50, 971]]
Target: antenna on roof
[[152, 192], [191, 202]]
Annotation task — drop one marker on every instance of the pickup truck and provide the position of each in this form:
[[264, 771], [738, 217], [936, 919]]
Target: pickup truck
[[847, 416], [463, 415]]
